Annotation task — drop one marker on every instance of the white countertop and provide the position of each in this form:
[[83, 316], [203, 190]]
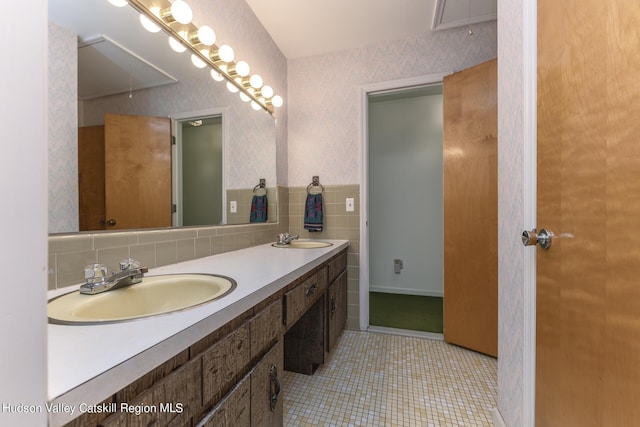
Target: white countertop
[[86, 364]]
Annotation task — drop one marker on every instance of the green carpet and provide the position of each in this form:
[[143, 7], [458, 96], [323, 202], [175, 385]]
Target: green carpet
[[412, 312]]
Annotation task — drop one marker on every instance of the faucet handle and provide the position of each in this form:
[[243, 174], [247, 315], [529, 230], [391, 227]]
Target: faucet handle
[[95, 273], [129, 264]]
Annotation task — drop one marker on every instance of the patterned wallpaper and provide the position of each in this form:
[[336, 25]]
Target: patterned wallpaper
[[324, 95], [63, 130]]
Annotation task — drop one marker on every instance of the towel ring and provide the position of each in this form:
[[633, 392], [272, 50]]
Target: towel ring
[[262, 185], [315, 182]]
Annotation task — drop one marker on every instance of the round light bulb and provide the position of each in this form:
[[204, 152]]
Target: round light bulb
[[119, 3], [267, 91], [197, 61], [225, 52], [255, 105], [256, 81], [216, 76], [206, 35], [181, 12], [242, 68], [231, 87], [147, 23], [277, 101], [176, 45], [244, 97]]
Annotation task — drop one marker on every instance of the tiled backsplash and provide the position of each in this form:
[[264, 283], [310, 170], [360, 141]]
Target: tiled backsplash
[[69, 253], [338, 224]]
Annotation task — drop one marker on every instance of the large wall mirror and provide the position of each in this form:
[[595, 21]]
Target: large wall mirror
[[103, 64]]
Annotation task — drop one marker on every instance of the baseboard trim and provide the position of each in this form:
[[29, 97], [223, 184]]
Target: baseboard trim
[[405, 332], [405, 291], [498, 421]]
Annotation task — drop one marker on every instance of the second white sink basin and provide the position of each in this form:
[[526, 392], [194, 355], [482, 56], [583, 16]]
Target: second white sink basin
[[304, 244], [153, 296]]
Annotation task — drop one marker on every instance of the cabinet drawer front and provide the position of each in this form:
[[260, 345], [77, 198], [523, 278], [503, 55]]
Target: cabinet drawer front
[[337, 266], [224, 364], [299, 299], [266, 328], [170, 402]]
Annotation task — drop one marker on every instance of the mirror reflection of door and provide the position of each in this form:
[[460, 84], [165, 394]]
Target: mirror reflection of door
[[200, 201], [135, 182]]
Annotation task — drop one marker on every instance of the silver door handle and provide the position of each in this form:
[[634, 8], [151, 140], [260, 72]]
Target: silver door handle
[[543, 238]]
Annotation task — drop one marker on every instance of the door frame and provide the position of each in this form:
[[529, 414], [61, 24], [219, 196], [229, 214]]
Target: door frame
[[175, 167], [529, 194], [365, 90]]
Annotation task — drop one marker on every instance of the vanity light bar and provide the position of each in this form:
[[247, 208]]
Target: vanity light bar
[[175, 29]]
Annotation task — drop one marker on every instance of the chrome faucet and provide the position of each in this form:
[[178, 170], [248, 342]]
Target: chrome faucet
[[286, 238], [97, 280]]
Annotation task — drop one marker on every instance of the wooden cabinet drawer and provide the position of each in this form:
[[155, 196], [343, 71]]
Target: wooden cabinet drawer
[[170, 402], [337, 266], [266, 328], [300, 298], [224, 364]]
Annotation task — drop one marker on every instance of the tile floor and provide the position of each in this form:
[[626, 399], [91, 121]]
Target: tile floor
[[374, 379]]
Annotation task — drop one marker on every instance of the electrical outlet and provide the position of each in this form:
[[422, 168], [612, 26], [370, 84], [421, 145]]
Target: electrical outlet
[[350, 204], [233, 206]]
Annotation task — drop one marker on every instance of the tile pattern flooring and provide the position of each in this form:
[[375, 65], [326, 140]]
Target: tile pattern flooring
[[374, 379]]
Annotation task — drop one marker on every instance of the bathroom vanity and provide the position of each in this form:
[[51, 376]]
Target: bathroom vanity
[[219, 364]]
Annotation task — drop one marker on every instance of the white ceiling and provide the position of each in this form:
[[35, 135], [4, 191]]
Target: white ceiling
[[307, 28]]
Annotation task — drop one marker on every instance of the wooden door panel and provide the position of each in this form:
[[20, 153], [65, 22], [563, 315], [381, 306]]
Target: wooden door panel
[[138, 171], [91, 207], [470, 208], [588, 299]]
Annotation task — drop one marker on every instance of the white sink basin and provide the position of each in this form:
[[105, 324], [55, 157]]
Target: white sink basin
[[304, 244], [153, 296]]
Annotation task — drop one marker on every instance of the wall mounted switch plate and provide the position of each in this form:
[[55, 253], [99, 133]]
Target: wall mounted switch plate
[[233, 206], [350, 204]]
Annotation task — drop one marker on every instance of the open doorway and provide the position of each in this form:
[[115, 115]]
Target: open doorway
[[199, 186], [405, 208]]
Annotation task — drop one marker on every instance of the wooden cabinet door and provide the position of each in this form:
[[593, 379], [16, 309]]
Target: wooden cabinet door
[[137, 171], [264, 387], [471, 208], [337, 308], [233, 410], [588, 195]]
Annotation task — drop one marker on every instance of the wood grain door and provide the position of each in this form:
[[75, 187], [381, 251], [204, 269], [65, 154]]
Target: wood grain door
[[588, 195], [138, 171], [91, 210], [471, 208]]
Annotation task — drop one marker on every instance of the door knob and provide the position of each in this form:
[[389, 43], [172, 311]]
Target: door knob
[[531, 238]]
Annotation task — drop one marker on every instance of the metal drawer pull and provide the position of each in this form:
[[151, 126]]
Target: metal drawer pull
[[333, 305], [310, 290]]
